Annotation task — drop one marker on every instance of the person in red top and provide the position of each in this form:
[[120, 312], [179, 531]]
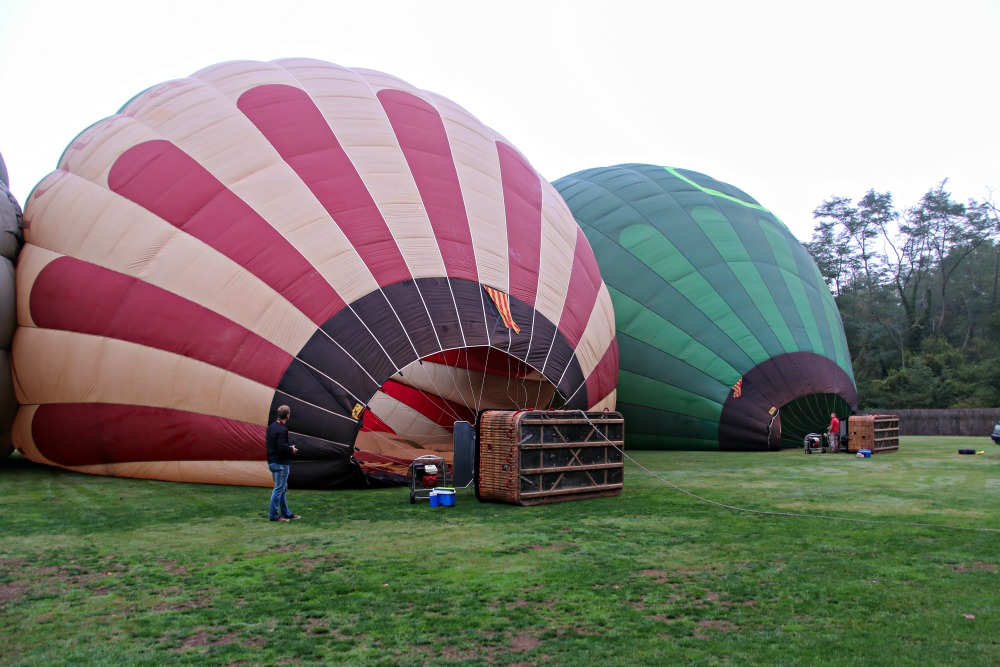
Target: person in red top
[[834, 432]]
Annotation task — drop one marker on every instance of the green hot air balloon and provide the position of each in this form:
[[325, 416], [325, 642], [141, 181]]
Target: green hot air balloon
[[728, 337]]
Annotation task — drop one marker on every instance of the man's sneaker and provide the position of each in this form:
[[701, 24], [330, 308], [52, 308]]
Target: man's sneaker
[[280, 518], [292, 516]]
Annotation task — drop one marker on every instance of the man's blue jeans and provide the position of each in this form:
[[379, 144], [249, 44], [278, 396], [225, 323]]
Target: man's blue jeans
[[279, 507]]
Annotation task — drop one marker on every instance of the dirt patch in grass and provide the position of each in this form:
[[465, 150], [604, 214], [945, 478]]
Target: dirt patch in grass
[[711, 624], [736, 603], [72, 576], [321, 626], [684, 602], [463, 655], [977, 566], [194, 641], [524, 642], [520, 604], [172, 567], [326, 563], [292, 547], [554, 546], [664, 619], [203, 639], [677, 574], [717, 598], [12, 592], [185, 605]]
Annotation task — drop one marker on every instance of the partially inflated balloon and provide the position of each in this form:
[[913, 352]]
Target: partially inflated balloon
[[295, 233], [10, 245], [728, 336]]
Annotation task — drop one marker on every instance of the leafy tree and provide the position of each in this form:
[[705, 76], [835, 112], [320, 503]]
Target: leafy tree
[[919, 295], [832, 245], [946, 233]]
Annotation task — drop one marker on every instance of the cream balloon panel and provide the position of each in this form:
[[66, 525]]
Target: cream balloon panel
[[597, 340], [67, 367], [557, 241], [76, 217], [473, 149], [358, 121], [478, 167], [608, 402], [235, 77], [234, 473], [206, 125], [95, 150]]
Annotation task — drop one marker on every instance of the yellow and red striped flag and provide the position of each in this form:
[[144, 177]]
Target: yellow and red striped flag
[[738, 388], [502, 301]]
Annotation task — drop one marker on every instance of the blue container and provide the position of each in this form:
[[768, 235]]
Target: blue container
[[866, 452], [435, 499], [446, 497]]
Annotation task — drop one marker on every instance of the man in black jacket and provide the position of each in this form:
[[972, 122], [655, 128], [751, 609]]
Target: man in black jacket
[[279, 461]]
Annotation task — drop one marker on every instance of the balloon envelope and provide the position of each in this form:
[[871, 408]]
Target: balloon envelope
[[728, 336], [295, 233], [10, 245]]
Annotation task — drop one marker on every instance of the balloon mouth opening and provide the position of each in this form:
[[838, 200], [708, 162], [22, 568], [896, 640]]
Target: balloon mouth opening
[[414, 412], [809, 414], [785, 426], [780, 401]]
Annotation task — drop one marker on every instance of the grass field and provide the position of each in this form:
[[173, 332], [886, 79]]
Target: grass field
[[104, 571]]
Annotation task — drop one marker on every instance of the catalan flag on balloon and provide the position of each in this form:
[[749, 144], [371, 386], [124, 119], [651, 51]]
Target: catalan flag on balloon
[[738, 388], [502, 301]]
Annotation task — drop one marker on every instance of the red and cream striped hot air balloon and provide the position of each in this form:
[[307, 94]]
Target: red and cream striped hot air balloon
[[295, 233]]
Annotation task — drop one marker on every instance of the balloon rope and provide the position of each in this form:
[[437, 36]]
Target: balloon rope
[[774, 513], [438, 393]]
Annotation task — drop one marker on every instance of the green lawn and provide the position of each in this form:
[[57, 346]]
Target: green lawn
[[103, 571]]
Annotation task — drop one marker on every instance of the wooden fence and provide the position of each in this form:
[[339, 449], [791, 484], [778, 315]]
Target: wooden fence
[[973, 421]]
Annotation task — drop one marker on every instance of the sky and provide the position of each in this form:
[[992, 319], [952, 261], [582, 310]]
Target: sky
[[793, 102]]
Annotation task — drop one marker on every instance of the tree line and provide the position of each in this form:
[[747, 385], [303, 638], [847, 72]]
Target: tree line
[[919, 293]]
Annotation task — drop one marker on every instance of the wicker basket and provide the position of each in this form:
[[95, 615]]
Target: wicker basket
[[534, 457], [879, 433]]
